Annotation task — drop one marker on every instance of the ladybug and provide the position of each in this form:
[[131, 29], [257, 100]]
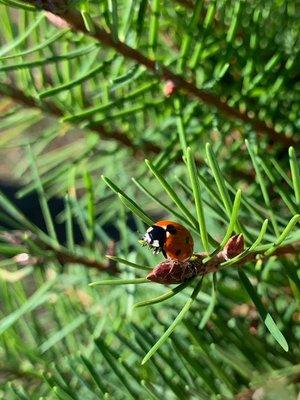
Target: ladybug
[[172, 239]]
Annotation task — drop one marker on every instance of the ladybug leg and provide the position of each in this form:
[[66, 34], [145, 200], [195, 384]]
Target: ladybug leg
[[183, 274], [171, 270], [164, 253]]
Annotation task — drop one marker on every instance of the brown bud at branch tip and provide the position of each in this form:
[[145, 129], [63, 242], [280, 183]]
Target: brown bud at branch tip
[[233, 247], [172, 271]]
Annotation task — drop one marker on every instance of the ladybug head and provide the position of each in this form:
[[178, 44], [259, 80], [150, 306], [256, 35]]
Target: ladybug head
[[155, 238]]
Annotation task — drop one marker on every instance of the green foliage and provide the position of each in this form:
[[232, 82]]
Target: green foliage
[[79, 319]]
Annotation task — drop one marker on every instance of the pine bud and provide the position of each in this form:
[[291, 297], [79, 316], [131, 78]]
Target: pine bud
[[57, 21], [169, 88], [172, 271], [233, 247]]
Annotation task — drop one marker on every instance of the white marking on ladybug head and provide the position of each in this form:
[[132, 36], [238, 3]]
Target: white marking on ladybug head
[[150, 229], [155, 243], [147, 238], [168, 234]]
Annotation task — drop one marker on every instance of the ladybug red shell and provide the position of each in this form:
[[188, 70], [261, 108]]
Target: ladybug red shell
[[170, 238]]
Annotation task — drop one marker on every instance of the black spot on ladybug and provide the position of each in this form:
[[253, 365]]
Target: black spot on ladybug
[[171, 229], [187, 240], [178, 252]]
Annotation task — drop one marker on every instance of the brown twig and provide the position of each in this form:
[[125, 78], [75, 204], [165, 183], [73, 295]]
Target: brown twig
[[68, 258], [174, 272], [74, 19], [109, 265], [197, 265], [19, 97], [63, 255], [282, 251]]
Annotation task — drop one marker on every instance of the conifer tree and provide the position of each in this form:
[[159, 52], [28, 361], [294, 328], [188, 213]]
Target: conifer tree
[[131, 112]]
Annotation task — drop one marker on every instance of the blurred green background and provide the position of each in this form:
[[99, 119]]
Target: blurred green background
[[86, 92]]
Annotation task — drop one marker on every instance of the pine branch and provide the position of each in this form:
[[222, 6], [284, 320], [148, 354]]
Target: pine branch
[[75, 20], [20, 97], [50, 108], [69, 258], [238, 326], [174, 272], [59, 253], [292, 249]]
